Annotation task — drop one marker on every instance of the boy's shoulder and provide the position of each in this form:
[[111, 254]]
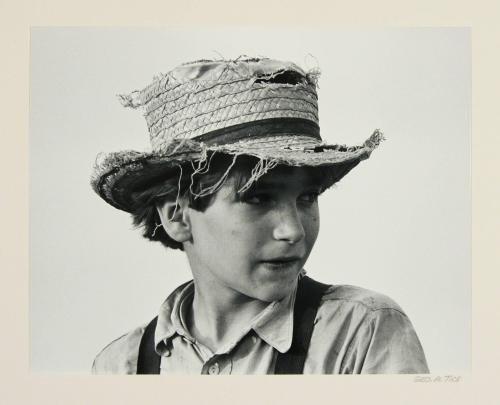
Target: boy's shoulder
[[368, 331], [361, 298], [120, 356]]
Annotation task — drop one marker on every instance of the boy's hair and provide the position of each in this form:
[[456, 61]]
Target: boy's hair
[[194, 185]]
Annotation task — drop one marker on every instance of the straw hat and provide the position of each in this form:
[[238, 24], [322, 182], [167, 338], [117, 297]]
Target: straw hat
[[259, 107]]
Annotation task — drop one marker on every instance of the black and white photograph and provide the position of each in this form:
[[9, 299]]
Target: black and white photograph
[[245, 201]]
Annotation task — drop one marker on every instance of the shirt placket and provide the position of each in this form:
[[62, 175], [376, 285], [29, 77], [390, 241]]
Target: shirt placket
[[213, 364], [218, 365]]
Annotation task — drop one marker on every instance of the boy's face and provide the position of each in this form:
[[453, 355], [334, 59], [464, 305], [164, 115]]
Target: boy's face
[[255, 245]]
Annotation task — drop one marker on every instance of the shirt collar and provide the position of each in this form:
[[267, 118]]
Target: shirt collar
[[169, 322], [274, 324]]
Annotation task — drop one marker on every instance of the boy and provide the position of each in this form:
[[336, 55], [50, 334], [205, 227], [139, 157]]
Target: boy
[[236, 168]]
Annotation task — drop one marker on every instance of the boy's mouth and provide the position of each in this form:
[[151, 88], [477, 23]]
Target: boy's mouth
[[282, 261]]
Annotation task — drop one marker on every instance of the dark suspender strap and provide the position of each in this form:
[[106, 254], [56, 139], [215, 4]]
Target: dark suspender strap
[[148, 361], [307, 300]]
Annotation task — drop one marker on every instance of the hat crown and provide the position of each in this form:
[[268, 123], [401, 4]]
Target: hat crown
[[201, 97], [214, 70]]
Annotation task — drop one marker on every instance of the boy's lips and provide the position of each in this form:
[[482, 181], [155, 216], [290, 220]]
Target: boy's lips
[[283, 261]]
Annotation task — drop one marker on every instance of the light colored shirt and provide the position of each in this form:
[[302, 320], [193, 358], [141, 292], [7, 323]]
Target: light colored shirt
[[355, 331]]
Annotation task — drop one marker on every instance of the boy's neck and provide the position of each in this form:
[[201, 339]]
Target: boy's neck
[[215, 320]]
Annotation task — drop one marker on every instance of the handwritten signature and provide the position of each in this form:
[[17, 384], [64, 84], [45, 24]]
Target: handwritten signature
[[438, 379]]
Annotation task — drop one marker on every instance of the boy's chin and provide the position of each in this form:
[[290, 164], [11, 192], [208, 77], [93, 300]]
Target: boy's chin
[[272, 293]]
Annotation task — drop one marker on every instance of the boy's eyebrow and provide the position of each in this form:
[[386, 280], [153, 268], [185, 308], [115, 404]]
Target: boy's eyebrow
[[272, 184]]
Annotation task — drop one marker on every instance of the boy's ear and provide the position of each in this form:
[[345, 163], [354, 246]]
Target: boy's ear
[[175, 220]]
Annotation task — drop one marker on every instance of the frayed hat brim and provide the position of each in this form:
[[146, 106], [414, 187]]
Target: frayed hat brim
[[117, 175]]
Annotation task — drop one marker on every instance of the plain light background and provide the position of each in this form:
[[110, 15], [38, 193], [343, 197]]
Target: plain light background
[[398, 224]]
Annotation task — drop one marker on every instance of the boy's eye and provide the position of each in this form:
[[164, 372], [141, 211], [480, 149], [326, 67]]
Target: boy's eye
[[257, 198], [309, 197], [266, 198]]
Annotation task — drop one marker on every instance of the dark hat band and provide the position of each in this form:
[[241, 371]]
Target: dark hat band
[[258, 129]]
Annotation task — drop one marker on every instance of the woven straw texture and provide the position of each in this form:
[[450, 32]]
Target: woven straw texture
[[223, 94]]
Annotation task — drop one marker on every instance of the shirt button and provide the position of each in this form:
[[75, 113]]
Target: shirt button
[[214, 369]]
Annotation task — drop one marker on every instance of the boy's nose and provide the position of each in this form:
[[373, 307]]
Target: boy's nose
[[288, 226]]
